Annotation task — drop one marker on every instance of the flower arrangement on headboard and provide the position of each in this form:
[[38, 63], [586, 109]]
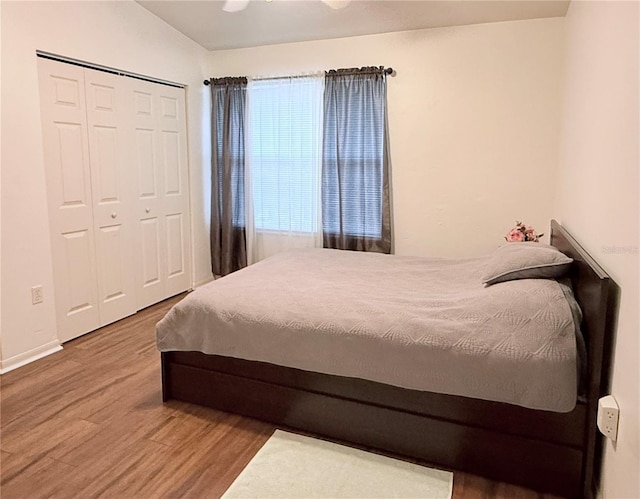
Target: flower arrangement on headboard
[[522, 233]]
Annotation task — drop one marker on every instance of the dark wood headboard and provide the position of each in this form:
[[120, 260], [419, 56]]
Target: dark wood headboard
[[591, 286], [595, 293]]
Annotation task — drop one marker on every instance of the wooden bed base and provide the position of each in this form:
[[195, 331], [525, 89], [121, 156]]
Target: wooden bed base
[[546, 451]]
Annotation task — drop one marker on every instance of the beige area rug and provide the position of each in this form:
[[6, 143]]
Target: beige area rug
[[293, 466]]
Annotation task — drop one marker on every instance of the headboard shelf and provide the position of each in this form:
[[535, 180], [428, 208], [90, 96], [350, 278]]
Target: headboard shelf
[[596, 293]]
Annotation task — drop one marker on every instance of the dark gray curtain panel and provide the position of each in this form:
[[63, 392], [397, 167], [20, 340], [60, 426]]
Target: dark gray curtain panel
[[228, 236], [356, 212]]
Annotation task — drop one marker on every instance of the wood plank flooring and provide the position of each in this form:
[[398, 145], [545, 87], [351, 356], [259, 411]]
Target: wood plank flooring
[[89, 422]]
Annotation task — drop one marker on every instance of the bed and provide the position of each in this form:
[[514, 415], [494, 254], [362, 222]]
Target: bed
[[513, 435]]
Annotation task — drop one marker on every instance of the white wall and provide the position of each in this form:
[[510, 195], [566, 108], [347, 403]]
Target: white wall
[[597, 196], [0, 191], [473, 116], [117, 34]]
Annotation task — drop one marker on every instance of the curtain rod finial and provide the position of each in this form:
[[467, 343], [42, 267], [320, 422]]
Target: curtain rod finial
[[206, 82]]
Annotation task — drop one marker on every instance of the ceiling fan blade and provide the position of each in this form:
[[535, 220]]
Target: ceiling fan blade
[[337, 4], [235, 5]]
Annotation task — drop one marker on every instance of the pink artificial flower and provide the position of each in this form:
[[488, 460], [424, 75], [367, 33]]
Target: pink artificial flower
[[515, 236], [523, 233]]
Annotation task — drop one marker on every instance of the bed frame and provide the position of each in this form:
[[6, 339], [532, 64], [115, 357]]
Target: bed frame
[[550, 452]]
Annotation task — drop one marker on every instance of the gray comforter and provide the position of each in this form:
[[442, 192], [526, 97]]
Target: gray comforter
[[419, 323]]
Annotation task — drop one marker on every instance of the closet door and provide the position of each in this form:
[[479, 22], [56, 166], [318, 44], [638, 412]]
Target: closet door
[[173, 164], [112, 180], [150, 283], [66, 152], [116, 165], [162, 204]]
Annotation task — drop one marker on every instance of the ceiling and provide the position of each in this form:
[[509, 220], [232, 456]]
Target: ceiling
[[283, 21]]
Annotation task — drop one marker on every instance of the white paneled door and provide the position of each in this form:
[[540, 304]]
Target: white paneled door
[[173, 162], [66, 150], [116, 163], [162, 199], [112, 182]]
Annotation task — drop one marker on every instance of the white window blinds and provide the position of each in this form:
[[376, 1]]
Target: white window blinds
[[284, 153], [285, 134]]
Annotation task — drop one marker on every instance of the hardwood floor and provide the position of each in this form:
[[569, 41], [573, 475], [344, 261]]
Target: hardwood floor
[[89, 421]]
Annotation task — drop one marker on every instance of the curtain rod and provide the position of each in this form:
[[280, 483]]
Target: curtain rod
[[387, 71], [104, 69], [364, 70]]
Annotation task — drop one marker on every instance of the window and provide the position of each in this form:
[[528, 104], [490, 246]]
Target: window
[[316, 164], [284, 143], [352, 176], [355, 168]]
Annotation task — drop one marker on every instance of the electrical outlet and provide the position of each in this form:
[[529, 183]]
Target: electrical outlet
[[36, 295], [608, 415]]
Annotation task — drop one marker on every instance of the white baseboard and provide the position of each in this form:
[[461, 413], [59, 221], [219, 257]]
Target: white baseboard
[[27, 357]]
